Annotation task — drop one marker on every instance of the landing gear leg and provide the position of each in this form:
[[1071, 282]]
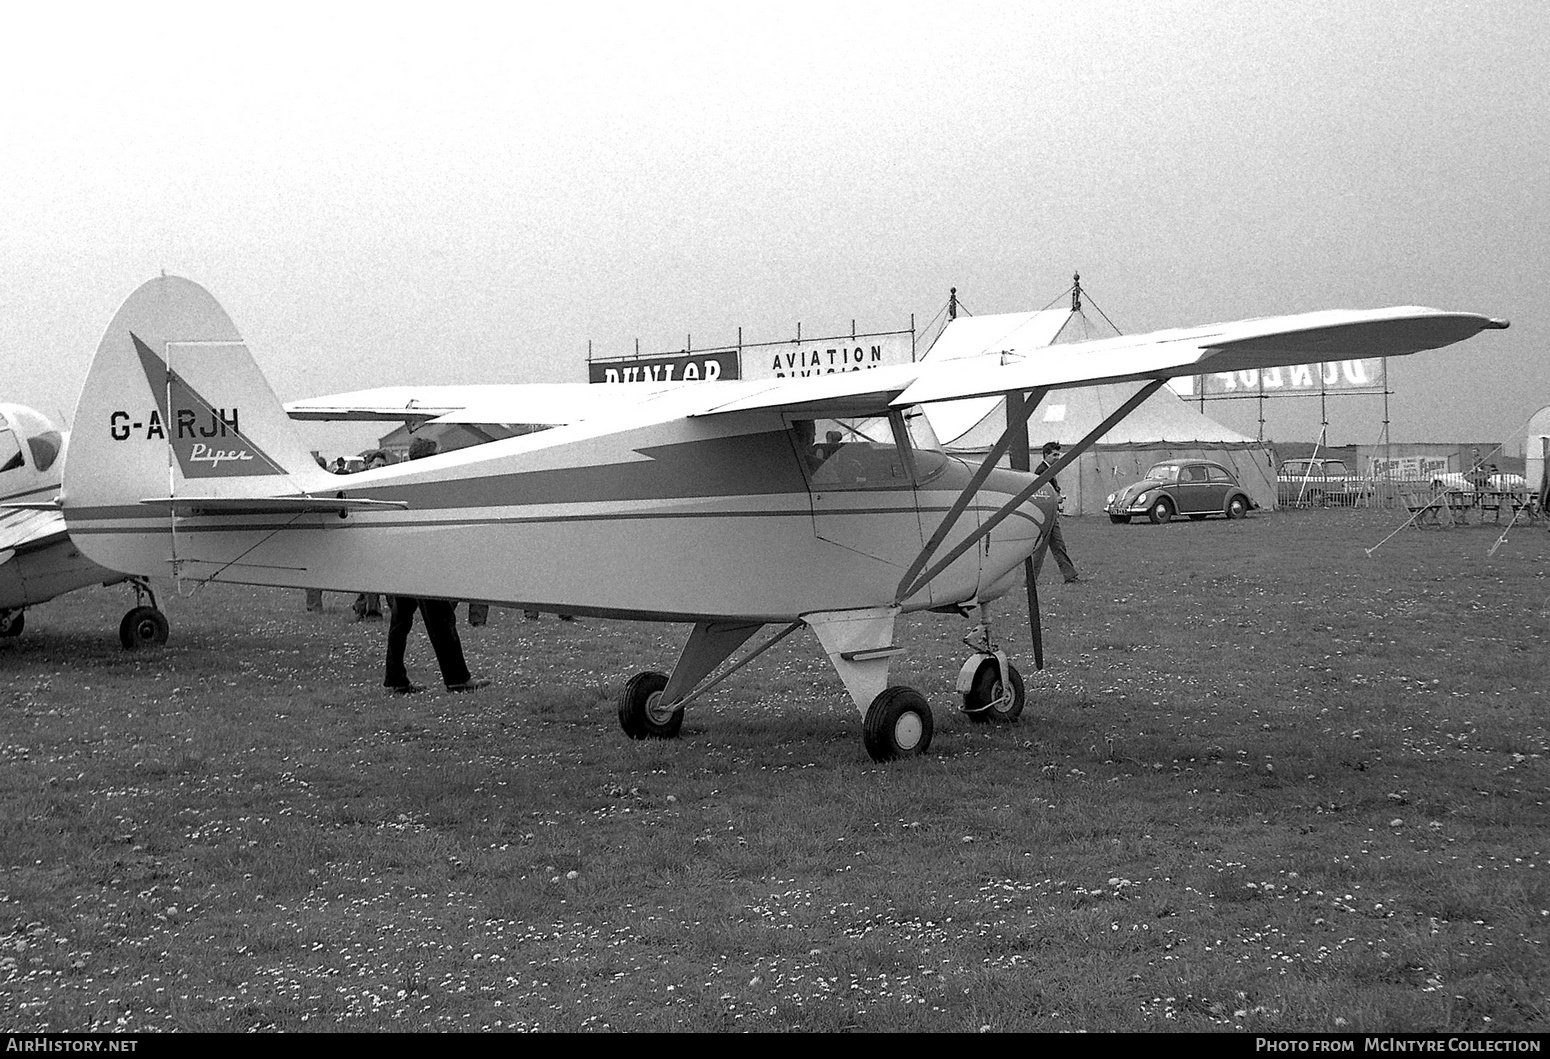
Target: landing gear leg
[[990, 686], [896, 720], [652, 705]]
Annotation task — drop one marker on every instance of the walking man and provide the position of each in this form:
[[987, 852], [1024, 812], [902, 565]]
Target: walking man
[[1054, 543]]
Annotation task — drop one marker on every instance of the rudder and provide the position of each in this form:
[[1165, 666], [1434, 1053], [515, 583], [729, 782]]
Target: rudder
[[174, 406]]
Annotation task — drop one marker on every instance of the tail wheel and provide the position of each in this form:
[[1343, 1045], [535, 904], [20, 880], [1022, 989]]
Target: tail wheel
[[1161, 511], [143, 627], [988, 699], [897, 724], [12, 622], [1237, 507], [643, 714]]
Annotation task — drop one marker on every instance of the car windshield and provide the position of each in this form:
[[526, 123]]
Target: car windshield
[[1164, 472]]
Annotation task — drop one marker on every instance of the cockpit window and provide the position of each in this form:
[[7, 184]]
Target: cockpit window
[[10, 451], [42, 440], [865, 453], [45, 448]]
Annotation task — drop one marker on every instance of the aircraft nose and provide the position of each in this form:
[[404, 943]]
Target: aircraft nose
[[1016, 536]]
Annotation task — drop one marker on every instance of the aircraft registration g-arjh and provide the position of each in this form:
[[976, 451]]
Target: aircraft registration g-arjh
[[731, 505], [38, 561]]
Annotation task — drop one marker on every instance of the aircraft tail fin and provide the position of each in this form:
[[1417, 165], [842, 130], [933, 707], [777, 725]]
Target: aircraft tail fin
[[174, 407]]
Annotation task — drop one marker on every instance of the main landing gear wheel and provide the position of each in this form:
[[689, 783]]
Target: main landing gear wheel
[[897, 724], [642, 713], [12, 622], [143, 627], [1161, 511], [988, 699]]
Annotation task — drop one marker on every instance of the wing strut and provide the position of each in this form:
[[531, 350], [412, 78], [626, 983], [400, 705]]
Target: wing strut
[[1016, 424], [1038, 483]]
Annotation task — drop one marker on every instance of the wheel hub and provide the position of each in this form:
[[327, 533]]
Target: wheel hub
[[656, 711], [907, 730]]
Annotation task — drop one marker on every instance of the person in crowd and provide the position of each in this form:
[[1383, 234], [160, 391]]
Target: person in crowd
[[1055, 543], [440, 628]]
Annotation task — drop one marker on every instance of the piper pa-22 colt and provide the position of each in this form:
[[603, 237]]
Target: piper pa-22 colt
[[823, 502], [38, 561]]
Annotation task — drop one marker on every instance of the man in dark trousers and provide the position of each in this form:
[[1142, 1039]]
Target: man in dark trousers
[[440, 628], [1054, 543]]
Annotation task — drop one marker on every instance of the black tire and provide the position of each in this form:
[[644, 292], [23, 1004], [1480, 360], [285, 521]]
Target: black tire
[[980, 702], [1120, 520], [897, 724], [143, 627], [641, 713], [1161, 511], [1238, 507], [12, 622]]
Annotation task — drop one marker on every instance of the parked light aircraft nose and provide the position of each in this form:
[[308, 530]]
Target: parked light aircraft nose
[[38, 560], [818, 502]]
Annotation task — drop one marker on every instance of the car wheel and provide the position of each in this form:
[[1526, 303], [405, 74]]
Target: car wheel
[[1161, 511], [1238, 507]]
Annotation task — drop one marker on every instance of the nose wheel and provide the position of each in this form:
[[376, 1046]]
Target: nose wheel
[[991, 689]]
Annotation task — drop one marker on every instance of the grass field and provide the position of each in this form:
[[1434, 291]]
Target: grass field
[[1267, 782]]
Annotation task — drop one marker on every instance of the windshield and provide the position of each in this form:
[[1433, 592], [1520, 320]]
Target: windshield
[[43, 441], [1164, 472]]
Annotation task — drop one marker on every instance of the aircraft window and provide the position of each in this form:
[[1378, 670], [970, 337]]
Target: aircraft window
[[851, 453], [927, 450], [10, 451], [43, 440], [45, 448]]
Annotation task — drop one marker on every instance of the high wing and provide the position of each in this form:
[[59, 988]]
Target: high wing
[[1160, 355], [1016, 362]]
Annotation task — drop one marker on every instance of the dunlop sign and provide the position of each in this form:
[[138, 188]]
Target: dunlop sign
[[704, 366], [1344, 375]]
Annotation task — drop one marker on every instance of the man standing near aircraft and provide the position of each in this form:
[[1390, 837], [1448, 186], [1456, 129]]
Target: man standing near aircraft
[[440, 628], [1054, 542]]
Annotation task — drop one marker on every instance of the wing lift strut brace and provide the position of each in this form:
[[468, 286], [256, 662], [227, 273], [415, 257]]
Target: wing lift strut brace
[[711, 643], [913, 580]]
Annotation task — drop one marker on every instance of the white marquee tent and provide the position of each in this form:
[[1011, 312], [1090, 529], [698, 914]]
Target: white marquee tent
[[1163, 427]]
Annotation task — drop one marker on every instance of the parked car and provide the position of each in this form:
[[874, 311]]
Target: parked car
[[1196, 488], [1314, 482]]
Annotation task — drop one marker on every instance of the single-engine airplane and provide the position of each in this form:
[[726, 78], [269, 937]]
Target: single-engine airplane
[[823, 502], [38, 561]]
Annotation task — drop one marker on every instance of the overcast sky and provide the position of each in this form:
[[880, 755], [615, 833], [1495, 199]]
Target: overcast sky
[[448, 193]]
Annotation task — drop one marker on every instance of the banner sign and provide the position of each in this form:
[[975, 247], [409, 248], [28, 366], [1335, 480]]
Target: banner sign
[[767, 360], [1407, 468], [825, 356], [706, 365], [1346, 376]]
